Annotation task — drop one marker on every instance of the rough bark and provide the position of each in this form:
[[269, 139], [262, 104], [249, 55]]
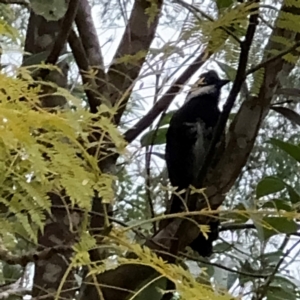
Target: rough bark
[[92, 48], [49, 273]]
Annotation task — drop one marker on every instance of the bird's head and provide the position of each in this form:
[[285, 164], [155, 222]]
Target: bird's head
[[211, 78], [208, 82]]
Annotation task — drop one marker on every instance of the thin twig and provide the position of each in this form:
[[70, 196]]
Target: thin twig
[[83, 65], [148, 158], [23, 260], [203, 261], [230, 226], [273, 58], [194, 10], [271, 277]]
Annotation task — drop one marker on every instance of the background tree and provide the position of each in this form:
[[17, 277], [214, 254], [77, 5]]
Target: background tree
[[71, 82]]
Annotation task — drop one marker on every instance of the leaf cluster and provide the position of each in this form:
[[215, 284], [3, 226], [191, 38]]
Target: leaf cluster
[[44, 152]]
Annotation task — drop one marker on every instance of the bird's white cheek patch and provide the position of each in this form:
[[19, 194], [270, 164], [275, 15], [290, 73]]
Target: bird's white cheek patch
[[203, 90]]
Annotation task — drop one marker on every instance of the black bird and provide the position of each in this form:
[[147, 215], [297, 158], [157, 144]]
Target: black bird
[[189, 136]]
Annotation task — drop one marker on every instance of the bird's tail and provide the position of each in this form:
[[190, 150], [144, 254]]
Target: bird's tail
[[202, 244]]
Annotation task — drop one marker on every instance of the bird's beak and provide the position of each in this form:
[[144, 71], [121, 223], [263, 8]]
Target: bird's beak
[[223, 82]]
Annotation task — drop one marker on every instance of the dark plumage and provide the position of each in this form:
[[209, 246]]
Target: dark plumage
[[190, 134]]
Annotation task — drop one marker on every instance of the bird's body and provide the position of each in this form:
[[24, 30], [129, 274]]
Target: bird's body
[[190, 134], [188, 138]]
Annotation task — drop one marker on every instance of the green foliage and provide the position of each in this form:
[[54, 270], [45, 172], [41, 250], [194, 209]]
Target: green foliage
[[289, 114], [212, 32], [51, 10], [167, 118], [7, 30], [131, 59], [186, 284], [293, 194], [154, 137], [269, 185], [277, 225], [258, 79], [40, 152], [157, 136], [290, 149], [152, 289], [152, 11], [228, 70], [222, 4]]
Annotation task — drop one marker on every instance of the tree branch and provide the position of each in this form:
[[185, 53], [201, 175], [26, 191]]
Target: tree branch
[[203, 261], [273, 58], [164, 102], [90, 42], [23, 260], [62, 37], [20, 2], [234, 226], [83, 65], [136, 41]]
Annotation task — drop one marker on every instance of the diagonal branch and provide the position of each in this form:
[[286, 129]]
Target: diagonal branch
[[273, 58], [163, 103], [26, 258], [62, 37], [136, 41], [204, 261], [88, 35], [83, 65], [92, 50]]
